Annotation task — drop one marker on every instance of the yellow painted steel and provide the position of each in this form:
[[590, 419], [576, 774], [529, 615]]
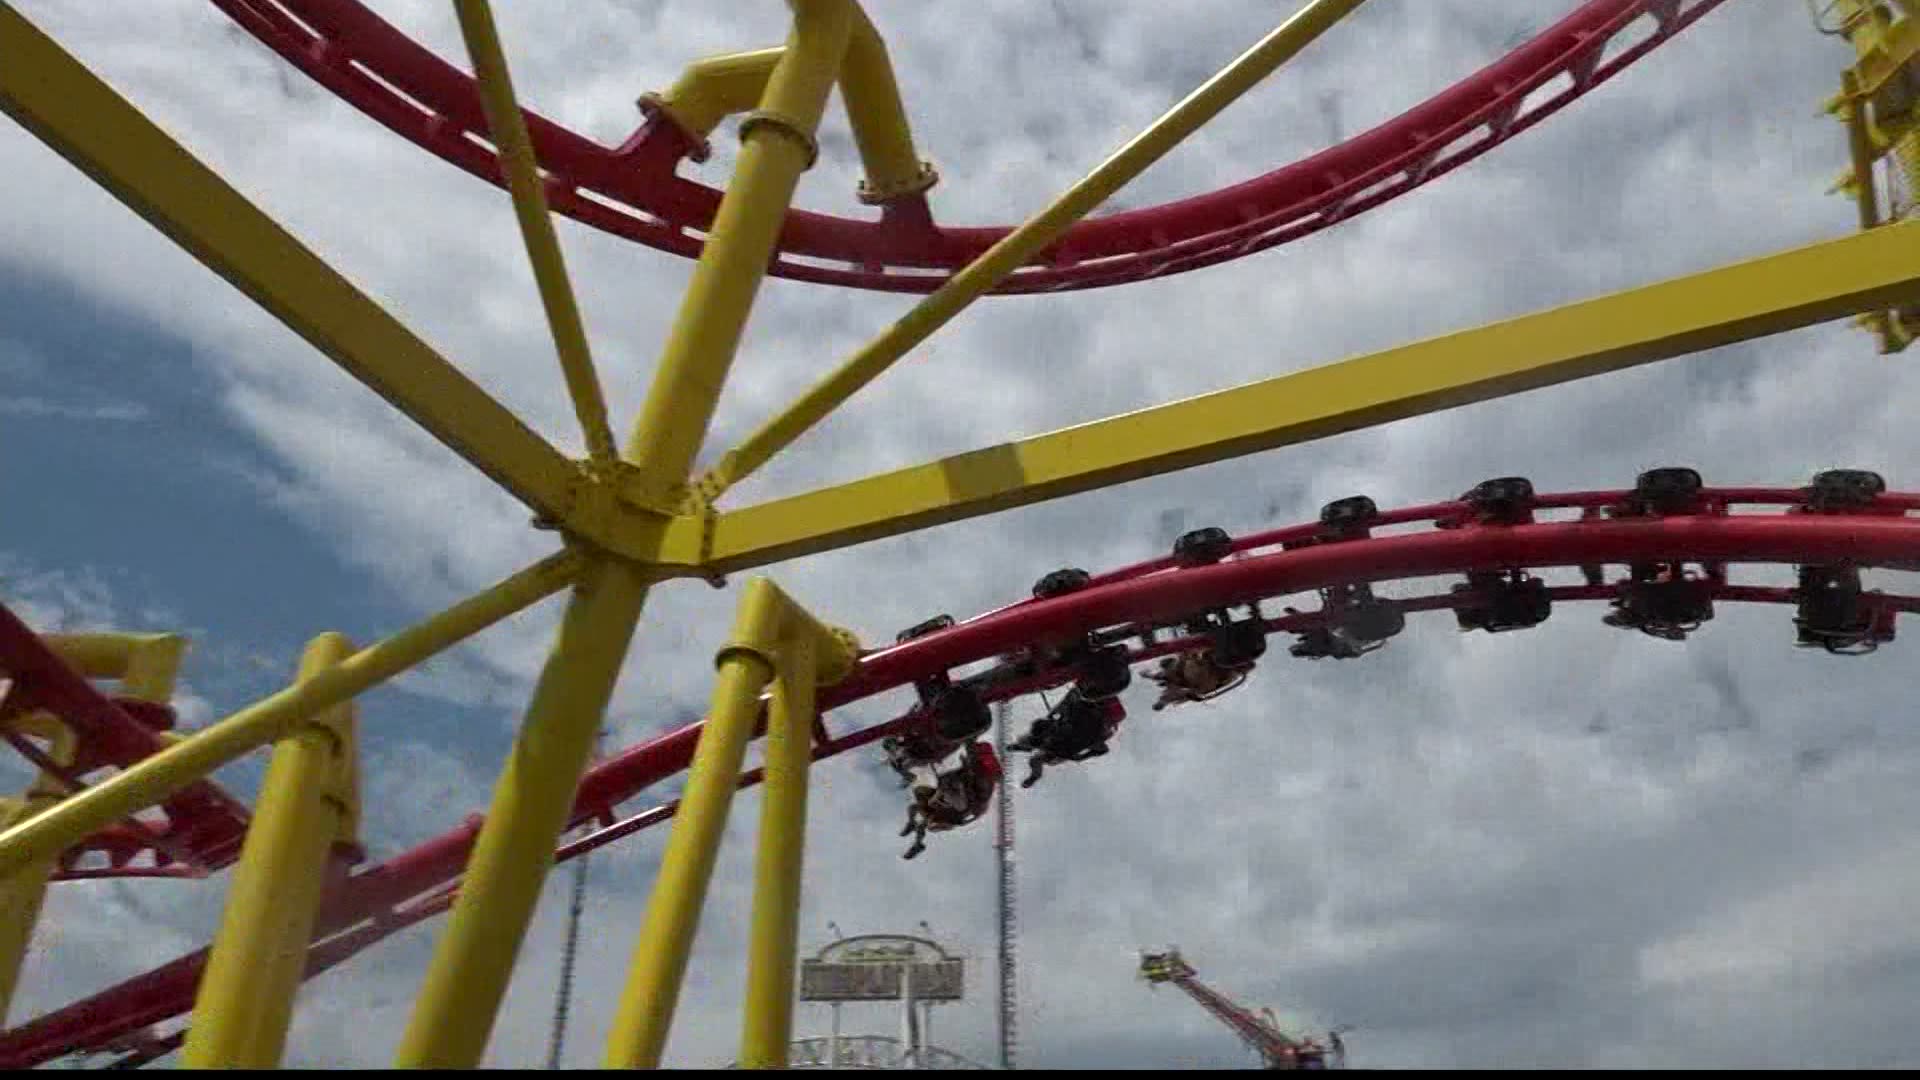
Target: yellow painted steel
[[245, 1002], [777, 146], [21, 894], [659, 962], [770, 634], [23, 890], [79, 116], [767, 1025], [146, 666], [509, 130], [49, 833], [454, 1013], [474, 960], [1768, 295], [880, 127], [1025, 242], [715, 87]]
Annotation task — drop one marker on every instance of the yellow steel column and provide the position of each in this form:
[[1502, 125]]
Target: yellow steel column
[[467, 979], [245, 1004], [673, 910], [776, 147], [473, 962], [768, 1023]]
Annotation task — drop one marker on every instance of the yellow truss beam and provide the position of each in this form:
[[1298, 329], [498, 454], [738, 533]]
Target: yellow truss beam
[[1830, 280], [71, 110]]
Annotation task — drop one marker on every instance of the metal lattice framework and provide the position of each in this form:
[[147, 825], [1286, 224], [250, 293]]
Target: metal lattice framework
[[122, 794]]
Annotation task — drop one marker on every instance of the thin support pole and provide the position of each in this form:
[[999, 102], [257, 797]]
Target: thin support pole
[[245, 1004], [509, 130], [47, 834], [775, 933], [467, 979], [1025, 242]]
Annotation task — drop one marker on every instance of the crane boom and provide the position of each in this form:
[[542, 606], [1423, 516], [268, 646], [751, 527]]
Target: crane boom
[[1277, 1050]]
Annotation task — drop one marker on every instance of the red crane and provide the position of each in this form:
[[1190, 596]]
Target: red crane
[[1276, 1048]]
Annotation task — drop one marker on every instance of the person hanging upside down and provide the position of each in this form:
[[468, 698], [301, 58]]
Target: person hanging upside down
[[1195, 676], [916, 753], [956, 798], [1076, 729]]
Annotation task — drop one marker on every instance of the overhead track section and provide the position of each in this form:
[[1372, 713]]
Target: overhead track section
[[632, 190]]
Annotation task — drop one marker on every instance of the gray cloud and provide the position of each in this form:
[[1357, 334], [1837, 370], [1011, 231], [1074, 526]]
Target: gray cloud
[[1434, 842]]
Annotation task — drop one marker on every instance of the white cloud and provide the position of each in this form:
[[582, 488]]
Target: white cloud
[[1467, 846], [41, 407]]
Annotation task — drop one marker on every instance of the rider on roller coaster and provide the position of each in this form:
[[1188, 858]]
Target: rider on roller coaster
[[956, 798], [1195, 675], [1076, 729]]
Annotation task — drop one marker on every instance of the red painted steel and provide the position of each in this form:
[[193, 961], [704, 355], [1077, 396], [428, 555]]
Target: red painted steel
[[632, 190]]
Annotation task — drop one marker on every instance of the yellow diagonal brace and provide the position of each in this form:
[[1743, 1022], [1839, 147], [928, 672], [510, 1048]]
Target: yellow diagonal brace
[[272, 717], [509, 130], [1831, 280], [1023, 243], [67, 107]]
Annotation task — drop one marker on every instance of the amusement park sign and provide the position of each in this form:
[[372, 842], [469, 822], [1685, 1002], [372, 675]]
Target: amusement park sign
[[882, 967]]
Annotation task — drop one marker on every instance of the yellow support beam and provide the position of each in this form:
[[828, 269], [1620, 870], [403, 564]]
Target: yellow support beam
[[777, 146], [71, 110], [509, 129], [270, 719], [454, 1012], [646, 1008], [1022, 244], [146, 666], [714, 88], [473, 962], [23, 890], [879, 120], [245, 1003], [1747, 300], [774, 937], [771, 634]]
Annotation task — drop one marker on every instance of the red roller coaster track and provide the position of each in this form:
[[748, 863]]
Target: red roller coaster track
[[1727, 526], [632, 190]]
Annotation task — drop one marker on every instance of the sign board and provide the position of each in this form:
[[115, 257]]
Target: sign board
[[877, 968], [823, 981]]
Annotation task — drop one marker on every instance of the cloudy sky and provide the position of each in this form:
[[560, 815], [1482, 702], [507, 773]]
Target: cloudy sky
[[1568, 847]]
